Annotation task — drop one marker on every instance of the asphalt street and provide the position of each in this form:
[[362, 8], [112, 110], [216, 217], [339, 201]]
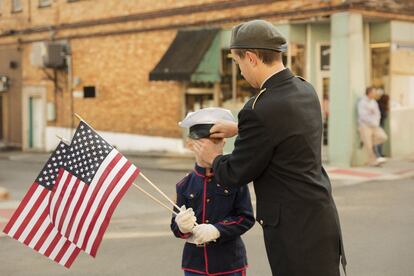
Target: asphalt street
[[377, 219]]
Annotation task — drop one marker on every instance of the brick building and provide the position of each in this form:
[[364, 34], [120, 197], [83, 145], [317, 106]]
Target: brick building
[[132, 69]]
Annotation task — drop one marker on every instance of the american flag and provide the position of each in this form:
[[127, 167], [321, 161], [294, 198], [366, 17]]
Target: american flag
[[88, 189], [31, 224]]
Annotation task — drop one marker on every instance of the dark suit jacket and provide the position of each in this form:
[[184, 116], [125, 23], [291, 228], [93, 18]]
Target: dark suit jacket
[[278, 147]]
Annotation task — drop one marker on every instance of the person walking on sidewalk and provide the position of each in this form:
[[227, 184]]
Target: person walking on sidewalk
[[278, 147], [214, 246], [371, 133]]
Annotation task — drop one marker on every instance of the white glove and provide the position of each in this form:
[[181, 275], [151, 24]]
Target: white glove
[[185, 219], [205, 233], [191, 239]]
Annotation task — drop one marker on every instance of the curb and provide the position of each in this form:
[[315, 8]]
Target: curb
[[350, 177], [405, 175]]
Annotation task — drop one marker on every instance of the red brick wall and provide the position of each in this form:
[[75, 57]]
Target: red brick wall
[[119, 64]]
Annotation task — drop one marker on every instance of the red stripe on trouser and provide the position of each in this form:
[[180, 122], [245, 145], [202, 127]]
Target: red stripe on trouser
[[111, 210], [102, 178], [103, 200], [241, 270], [67, 204], [19, 209], [60, 197], [32, 211]]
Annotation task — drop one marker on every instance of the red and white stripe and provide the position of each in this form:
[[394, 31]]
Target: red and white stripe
[[31, 225], [81, 212]]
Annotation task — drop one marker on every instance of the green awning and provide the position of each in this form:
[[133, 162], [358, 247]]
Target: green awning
[[194, 55]]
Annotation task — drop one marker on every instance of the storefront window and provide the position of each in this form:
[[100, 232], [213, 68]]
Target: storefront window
[[297, 56], [380, 65], [199, 95]]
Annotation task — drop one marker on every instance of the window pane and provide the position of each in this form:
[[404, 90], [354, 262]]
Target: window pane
[[89, 92], [44, 3], [17, 5]]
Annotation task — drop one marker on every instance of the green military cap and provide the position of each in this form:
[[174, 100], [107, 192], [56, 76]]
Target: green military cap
[[257, 34]]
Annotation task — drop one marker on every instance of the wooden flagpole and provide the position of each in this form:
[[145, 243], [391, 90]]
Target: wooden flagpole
[[159, 191], [67, 142], [153, 198]]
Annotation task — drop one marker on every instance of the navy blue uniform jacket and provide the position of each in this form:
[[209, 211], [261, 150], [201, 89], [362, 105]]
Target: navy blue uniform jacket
[[228, 209]]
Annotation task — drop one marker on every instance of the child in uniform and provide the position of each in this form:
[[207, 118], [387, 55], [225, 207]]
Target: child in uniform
[[212, 217]]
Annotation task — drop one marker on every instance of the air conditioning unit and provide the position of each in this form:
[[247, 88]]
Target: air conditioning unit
[[4, 83], [48, 55]]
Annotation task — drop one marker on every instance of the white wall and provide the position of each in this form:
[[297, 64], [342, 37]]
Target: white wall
[[402, 89], [122, 141]]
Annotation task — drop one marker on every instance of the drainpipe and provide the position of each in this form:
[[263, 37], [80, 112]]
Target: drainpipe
[[70, 88]]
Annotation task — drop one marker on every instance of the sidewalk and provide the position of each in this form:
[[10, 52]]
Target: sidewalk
[[392, 170], [144, 160]]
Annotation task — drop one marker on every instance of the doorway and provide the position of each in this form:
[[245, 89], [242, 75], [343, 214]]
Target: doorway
[[34, 117], [35, 122]]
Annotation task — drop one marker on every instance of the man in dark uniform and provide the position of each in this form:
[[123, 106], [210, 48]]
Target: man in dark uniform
[[278, 147]]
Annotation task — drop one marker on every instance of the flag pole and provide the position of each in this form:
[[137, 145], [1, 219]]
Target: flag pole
[[67, 142], [153, 198], [143, 176], [161, 192], [158, 190], [81, 119]]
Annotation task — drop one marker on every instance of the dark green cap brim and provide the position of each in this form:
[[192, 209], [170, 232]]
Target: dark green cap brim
[[200, 131]]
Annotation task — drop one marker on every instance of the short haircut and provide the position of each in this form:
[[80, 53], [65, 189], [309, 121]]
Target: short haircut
[[368, 90], [266, 56]]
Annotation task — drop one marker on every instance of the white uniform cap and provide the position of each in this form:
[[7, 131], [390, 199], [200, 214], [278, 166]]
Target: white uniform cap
[[209, 115]]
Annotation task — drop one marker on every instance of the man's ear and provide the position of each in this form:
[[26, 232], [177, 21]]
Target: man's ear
[[251, 58]]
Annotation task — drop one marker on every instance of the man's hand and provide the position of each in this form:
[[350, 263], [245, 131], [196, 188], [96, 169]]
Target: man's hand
[[223, 129], [185, 220], [207, 149], [205, 233]]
